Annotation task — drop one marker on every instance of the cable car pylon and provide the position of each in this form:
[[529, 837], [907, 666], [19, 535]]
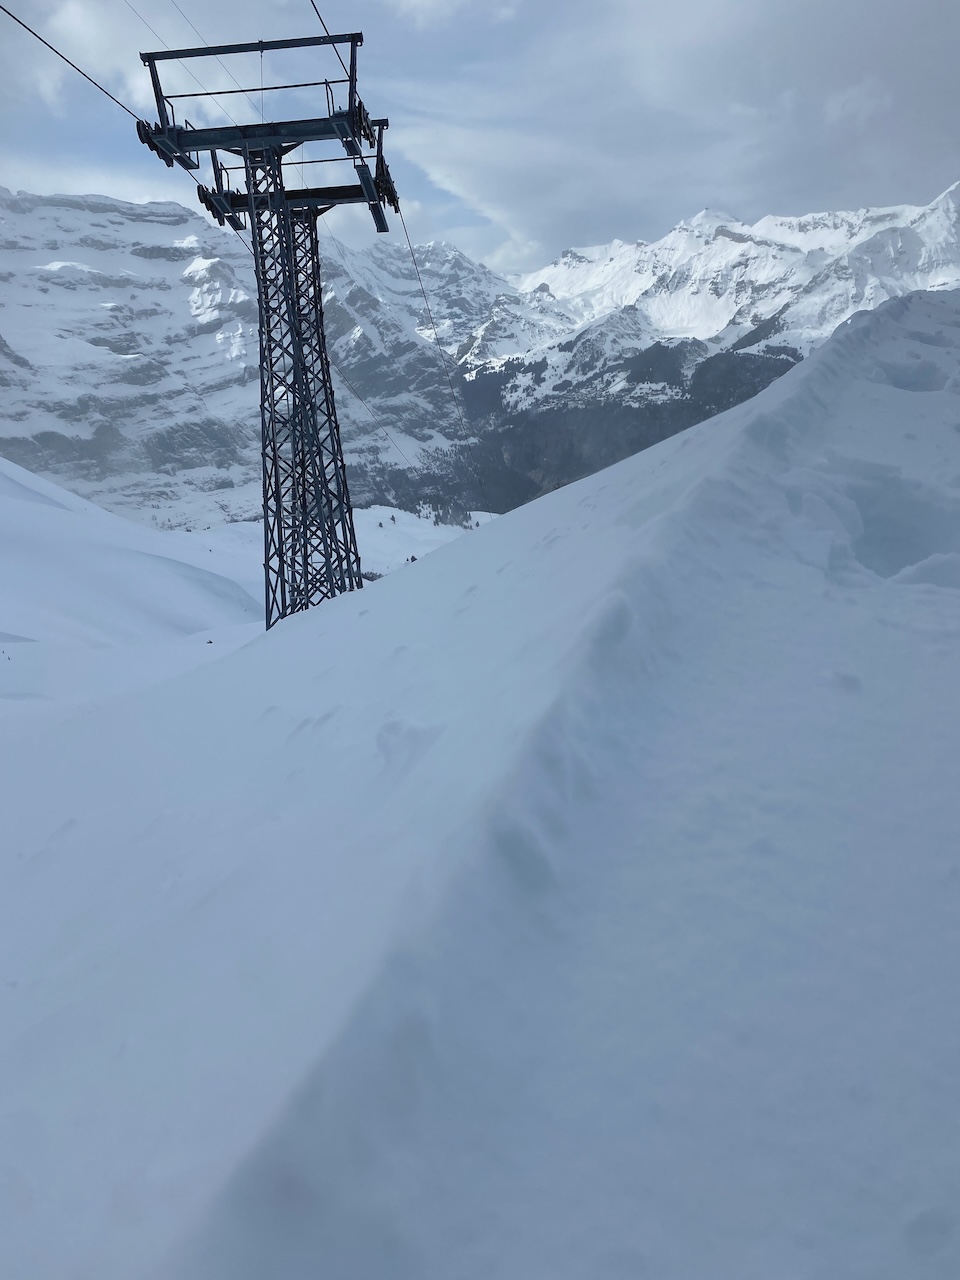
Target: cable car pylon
[[310, 547]]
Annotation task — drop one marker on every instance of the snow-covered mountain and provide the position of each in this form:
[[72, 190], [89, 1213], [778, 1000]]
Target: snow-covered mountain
[[129, 353], [717, 279], [582, 901], [128, 349]]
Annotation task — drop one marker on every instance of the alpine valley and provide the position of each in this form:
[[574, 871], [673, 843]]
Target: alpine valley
[[129, 352]]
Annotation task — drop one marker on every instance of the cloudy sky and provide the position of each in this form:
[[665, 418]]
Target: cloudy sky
[[521, 127]]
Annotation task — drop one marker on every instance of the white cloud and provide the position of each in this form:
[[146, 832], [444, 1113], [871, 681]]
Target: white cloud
[[424, 12], [857, 104], [32, 173]]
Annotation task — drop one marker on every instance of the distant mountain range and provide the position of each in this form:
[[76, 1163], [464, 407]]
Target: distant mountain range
[[129, 352]]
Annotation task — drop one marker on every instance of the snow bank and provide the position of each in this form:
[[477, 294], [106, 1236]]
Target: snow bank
[[70, 571], [582, 901], [91, 604]]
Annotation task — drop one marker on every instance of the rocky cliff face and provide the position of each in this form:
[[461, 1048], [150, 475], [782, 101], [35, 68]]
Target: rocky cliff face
[[129, 356], [129, 352]]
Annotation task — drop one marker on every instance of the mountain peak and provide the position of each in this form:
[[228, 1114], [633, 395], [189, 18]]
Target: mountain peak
[[708, 220], [949, 197]]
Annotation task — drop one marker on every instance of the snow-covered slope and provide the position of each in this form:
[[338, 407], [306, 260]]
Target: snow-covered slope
[[71, 572], [582, 901], [90, 603], [714, 277], [128, 349]]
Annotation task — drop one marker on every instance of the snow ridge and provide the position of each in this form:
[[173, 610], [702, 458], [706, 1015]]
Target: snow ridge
[[582, 902]]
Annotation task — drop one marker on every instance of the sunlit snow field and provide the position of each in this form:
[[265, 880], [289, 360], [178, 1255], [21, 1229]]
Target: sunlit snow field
[[582, 900]]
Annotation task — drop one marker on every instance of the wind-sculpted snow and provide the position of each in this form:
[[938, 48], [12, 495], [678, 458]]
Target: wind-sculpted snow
[[582, 901], [71, 573], [92, 604], [129, 354]]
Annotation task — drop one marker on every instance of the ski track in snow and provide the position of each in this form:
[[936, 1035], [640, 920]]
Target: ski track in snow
[[583, 901]]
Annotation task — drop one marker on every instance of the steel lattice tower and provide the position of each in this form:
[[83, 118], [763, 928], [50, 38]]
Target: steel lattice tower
[[310, 548]]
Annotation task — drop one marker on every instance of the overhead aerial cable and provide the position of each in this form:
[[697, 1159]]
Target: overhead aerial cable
[[157, 36], [220, 61], [65, 59], [326, 31], [413, 257], [382, 188], [443, 362], [378, 422]]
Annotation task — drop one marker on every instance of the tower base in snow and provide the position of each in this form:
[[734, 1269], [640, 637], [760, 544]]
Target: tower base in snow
[[310, 548]]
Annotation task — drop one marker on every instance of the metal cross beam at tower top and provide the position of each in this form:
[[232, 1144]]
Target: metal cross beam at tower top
[[310, 549]]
